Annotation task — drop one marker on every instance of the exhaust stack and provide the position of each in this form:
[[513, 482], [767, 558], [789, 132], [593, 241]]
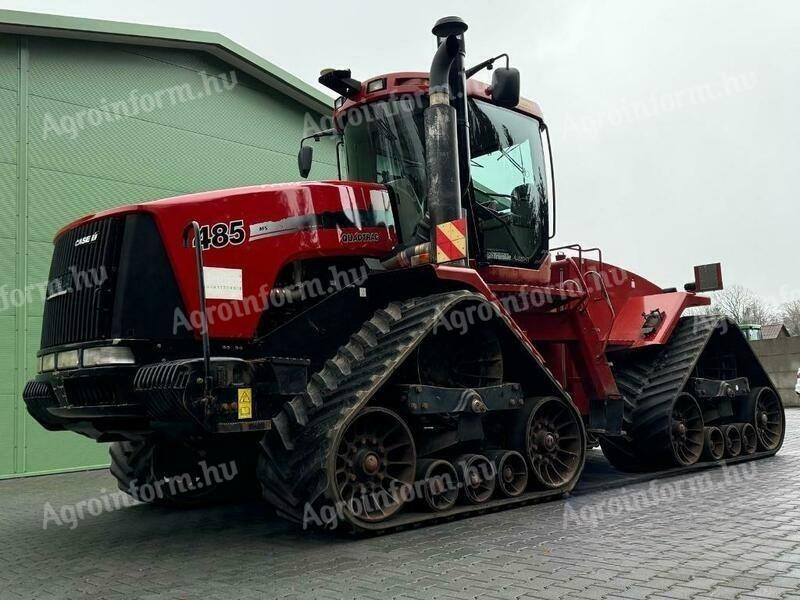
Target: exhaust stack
[[441, 137]]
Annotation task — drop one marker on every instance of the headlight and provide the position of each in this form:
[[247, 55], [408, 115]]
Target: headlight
[[108, 355], [71, 359], [48, 362]]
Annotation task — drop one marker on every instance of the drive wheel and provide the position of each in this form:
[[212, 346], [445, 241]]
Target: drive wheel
[[374, 465], [768, 418], [554, 443]]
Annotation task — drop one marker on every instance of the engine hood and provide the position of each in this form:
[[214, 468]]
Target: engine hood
[[250, 234], [294, 198]]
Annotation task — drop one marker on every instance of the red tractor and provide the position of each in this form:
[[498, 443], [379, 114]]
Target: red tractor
[[396, 347]]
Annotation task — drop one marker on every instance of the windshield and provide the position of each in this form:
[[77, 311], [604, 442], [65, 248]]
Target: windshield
[[510, 186], [384, 143]]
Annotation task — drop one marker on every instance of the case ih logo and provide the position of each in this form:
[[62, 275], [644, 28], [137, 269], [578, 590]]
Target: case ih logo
[[87, 239], [360, 237]]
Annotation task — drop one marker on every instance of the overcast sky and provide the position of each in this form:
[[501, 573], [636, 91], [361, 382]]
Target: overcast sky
[[674, 122]]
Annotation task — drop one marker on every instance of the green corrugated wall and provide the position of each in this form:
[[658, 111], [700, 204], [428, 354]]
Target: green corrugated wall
[[59, 161]]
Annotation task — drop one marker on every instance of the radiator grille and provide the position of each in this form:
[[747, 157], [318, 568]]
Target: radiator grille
[[97, 391], [80, 293]]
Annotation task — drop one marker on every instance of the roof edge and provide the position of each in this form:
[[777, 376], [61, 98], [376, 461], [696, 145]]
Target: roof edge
[[46, 25]]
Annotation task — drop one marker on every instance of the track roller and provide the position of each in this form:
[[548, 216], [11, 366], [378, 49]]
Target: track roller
[[714, 447], [512, 472], [437, 482], [476, 475], [749, 438], [733, 440]]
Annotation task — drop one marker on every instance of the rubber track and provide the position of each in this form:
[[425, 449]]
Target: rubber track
[[651, 385], [131, 463], [292, 469]]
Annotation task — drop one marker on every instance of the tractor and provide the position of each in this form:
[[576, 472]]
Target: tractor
[[394, 347]]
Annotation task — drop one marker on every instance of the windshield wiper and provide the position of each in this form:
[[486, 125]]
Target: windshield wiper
[[505, 153], [386, 130]]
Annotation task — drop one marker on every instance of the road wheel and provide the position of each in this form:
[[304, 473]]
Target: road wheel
[[554, 443], [768, 418], [374, 465], [687, 432]]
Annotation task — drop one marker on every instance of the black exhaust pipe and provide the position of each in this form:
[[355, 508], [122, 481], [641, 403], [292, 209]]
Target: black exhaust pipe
[[441, 137]]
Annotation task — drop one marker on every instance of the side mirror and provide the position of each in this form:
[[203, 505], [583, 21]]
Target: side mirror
[[505, 87], [304, 159]]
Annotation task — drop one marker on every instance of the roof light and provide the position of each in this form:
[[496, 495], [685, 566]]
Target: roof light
[[376, 85]]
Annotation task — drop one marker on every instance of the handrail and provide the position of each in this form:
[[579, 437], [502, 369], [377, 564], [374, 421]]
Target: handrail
[[194, 227], [604, 289], [581, 250]]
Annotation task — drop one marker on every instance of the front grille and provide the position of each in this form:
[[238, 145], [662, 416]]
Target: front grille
[[97, 391], [80, 292]]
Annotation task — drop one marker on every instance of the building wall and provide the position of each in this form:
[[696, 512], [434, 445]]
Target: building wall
[[88, 126], [781, 359]]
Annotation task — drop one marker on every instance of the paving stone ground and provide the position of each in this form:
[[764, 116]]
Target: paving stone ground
[[732, 533]]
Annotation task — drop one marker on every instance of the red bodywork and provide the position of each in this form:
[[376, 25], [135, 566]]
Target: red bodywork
[[261, 259], [573, 312], [416, 84], [575, 322]]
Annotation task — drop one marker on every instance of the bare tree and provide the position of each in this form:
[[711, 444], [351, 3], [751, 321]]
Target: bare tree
[[742, 306], [791, 316]]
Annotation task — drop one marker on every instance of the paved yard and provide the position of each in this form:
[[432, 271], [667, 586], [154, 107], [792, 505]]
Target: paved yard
[[718, 534]]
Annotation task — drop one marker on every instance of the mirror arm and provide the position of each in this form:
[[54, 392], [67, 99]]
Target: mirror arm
[[487, 64], [319, 135]]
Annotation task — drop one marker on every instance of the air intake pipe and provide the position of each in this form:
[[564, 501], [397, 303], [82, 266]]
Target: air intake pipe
[[441, 138]]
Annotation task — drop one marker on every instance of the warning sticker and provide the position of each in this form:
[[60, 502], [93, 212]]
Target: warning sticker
[[245, 403], [451, 242]]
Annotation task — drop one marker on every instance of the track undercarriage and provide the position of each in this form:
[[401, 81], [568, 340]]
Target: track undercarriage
[[703, 397], [408, 425], [415, 420]]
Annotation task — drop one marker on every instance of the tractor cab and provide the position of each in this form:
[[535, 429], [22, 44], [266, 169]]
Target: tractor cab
[[505, 169]]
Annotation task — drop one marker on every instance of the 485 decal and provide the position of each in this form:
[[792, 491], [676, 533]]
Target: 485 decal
[[220, 235]]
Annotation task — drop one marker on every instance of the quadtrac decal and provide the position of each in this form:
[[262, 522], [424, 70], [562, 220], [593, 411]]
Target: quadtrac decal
[[223, 234], [359, 237]]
